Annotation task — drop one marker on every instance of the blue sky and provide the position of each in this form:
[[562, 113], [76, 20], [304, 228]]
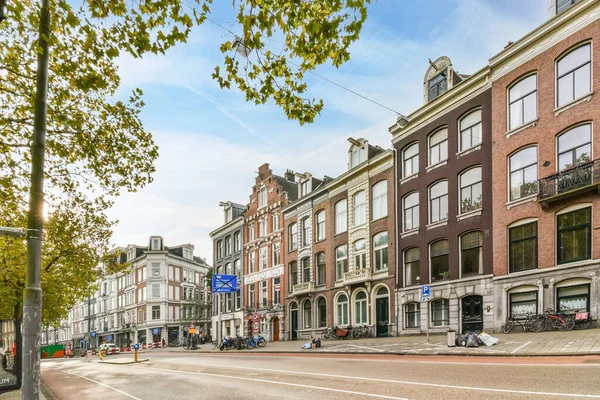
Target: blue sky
[[212, 142]]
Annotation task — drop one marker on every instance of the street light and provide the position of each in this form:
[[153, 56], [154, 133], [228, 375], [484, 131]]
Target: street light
[[5, 231]]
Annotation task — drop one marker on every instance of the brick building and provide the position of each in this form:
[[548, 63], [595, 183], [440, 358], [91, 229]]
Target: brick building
[[264, 279], [547, 165], [338, 259]]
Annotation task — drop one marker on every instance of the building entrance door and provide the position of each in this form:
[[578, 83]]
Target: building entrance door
[[472, 313], [383, 316], [275, 329]]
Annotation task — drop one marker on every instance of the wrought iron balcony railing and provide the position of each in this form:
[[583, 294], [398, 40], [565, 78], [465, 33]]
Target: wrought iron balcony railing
[[582, 178], [304, 288], [357, 276]]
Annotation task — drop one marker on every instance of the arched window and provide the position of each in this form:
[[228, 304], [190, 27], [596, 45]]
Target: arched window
[[523, 246], [293, 236], [412, 266], [321, 225], [360, 308], [574, 229], [410, 160], [341, 216], [220, 249], [305, 231], [228, 245], [341, 305], [438, 146], [380, 200], [360, 209], [321, 313], [471, 254], [471, 195], [438, 254], [237, 243], [411, 211], [470, 130], [523, 173], [360, 254], [522, 102], [307, 315], [574, 75], [574, 147], [228, 270], [321, 269], [380, 251], [438, 202], [306, 269]]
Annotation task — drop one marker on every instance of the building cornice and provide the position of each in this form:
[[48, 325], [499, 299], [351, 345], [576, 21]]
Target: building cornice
[[228, 226]]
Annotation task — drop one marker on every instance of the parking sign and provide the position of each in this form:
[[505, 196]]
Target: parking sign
[[425, 292]]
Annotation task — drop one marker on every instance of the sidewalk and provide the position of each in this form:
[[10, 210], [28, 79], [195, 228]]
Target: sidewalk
[[585, 342], [16, 395]]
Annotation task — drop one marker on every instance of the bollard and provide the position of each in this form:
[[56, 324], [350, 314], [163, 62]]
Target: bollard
[[238, 343], [135, 355]]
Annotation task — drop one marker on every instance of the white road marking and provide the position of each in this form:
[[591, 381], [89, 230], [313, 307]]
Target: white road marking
[[105, 385], [520, 347], [439, 385], [380, 396]]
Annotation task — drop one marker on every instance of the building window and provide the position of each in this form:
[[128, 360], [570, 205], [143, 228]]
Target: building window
[[305, 232], [276, 290], [574, 75], [380, 200], [523, 304], [574, 147], [523, 243], [470, 130], [438, 202], [341, 262], [380, 251], [410, 160], [251, 232], [470, 190], [237, 243], [155, 312], [262, 228], [263, 293], [562, 5], [360, 254], [341, 217], [251, 262], [360, 208], [276, 254], [471, 260], [227, 245], [219, 249], [574, 235], [307, 316], [360, 309], [305, 269], [412, 315], [438, 146], [437, 85], [573, 298], [411, 211], [276, 222], [523, 173], [155, 244], [357, 157], [412, 267], [293, 236], [438, 254], [321, 269], [251, 295], [228, 215], [227, 271], [155, 269], [304, 188], [293, 275], [321, 313], [263, 258], [321, 225], [341, 317], [262, 197], [522, 102], [440, 310]]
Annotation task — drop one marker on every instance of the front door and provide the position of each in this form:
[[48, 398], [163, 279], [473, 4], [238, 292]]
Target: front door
[[472, 313], [275, 322], [383, 316], [294, 324]]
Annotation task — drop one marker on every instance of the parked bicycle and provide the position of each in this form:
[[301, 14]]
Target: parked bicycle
[[360, 332], [583, 320], [529, 322], [558, 321]]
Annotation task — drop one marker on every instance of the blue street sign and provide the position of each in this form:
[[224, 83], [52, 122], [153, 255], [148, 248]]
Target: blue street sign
[[136, 346], [425, 291], [93, 334], [224, 284], [156, 331], [109, 337]]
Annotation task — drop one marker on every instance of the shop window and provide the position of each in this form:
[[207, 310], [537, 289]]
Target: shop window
[[412, 315], [573, 298], [523, 304]]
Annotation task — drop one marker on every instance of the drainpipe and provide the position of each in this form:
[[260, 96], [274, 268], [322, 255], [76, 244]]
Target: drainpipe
[[396, 195]]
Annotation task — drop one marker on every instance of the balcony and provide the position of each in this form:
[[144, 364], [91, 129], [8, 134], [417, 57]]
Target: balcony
[[357, 276], [304, 288], [572, 182]]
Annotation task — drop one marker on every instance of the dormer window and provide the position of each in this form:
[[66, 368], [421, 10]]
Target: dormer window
[[156, 244], [358, 156], [437, 85], [304, 188], [262, 197], [562, 5], [228, 215]]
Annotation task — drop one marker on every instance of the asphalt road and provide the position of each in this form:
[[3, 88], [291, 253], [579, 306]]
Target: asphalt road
[[229, 376]]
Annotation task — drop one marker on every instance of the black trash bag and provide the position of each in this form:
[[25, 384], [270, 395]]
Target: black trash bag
[[472, 340], [461, 340]]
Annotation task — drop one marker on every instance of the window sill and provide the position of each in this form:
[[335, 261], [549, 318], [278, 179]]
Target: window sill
[[409, 233], [521, 128], [437, 224], [438, 165], [409, 178], [583, 99], [467, 215], [523, 200], [468, 151], [379, 219]]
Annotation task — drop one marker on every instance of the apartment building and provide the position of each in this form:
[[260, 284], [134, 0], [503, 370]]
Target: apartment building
[[546, 158]]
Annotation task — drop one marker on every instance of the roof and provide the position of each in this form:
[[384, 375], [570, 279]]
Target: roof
[[291, 188]]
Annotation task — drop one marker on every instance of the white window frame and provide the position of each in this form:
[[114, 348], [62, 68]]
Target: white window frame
[[573, 72], [360, 314], [405, 228], [469, 128], [338, 260], [414, 160], [293, 236], [440, 144], [360, 209], [379, 199], [263, 258], [382, 250], [439, 198], [460, 188], [522, 170], [262, 197], [320, 218], [341, 309], [521, 100], [251, 262], [341, 216]]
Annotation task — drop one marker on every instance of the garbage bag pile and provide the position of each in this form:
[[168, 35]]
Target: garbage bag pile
[[474, 339]]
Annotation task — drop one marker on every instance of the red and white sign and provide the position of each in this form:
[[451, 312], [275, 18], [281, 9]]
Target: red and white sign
[[255, 317], [255, 326], [192, 326]]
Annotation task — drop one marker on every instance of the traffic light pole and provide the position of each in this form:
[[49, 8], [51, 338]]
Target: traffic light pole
[[32, 295]]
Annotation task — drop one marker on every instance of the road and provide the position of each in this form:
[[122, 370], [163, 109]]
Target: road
[[298, 376]]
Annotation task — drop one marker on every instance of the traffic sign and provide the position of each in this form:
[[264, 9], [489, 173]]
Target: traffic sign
[[425, 291], [255, 326], [255, 317], [192, 326], [224, 284], [192, 329], [93, 334], [156, 331]]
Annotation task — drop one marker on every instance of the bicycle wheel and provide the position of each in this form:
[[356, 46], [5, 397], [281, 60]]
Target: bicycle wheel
[[508, 327], [584, 324], [570, 323], [538, 324], [262, 342]]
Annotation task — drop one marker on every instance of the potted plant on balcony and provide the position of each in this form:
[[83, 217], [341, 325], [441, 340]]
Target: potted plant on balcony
[[575, 175]]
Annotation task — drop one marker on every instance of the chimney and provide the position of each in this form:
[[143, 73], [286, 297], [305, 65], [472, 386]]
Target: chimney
[[289, 175]]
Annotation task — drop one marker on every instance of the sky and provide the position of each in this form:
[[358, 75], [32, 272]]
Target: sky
[[211, 142]]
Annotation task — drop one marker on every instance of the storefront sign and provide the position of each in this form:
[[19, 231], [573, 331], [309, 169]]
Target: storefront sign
[[262, 275]]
